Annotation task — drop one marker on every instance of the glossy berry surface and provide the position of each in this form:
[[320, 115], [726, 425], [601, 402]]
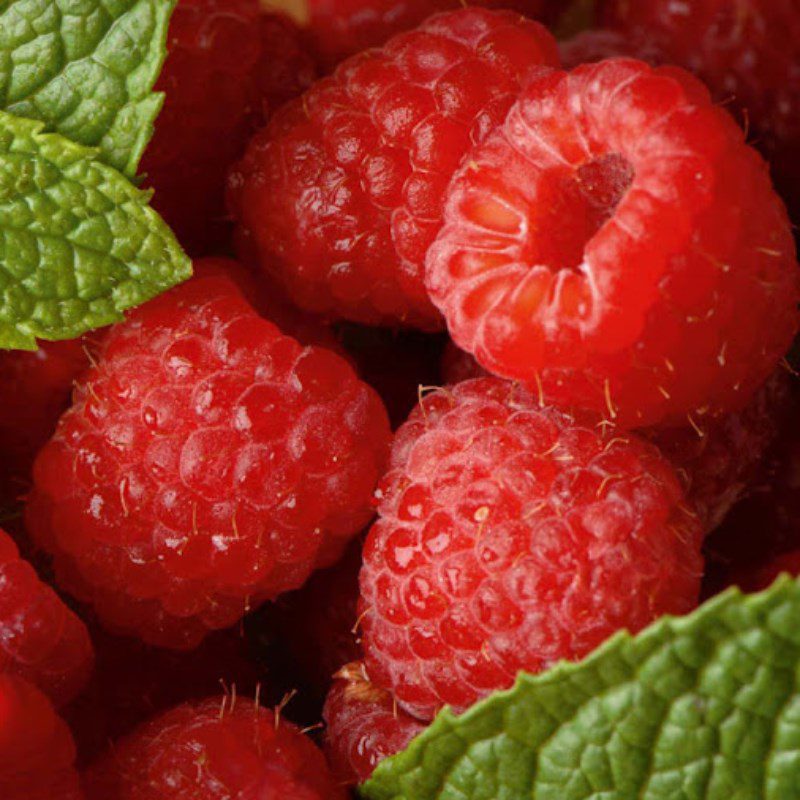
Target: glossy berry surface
[[746, 51], [208, 463], [40, 638], [229, 66], [363, 725], [35, 388], [509, 537], [218, 749], [37, 753], [341, 194], [341, 28], [618, 247]]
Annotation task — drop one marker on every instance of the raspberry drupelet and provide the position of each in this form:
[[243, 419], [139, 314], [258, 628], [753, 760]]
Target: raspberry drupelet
[[341, 28], [618, 247], [363, 725], [40, 638], [37, 753], [217, 749], [229, 66], [208, 463], [341, 194], [511, 536]]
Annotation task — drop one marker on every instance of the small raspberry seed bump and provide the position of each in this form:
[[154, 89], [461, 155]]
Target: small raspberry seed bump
[[229, 66], [220, 748], [511, 536], [207, 464], [37, 753], [41, 639], [341, 194], [363, 725], [616, 242]]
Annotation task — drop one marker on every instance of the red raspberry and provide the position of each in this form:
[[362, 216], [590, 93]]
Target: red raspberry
[[35, 388], [229, 64], [746, 51], [36, 749], [40, 638], [315, 625], [618, 247], [215, 750], [207, 464], [341, 28], [364, 726], [598, 44], [340, 195], [763, 577], [510, 537]]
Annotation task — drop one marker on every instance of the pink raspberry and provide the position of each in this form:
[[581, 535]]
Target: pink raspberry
[[364, 725], [616, 246], [40, 638], [208, 463], [230, 65], [511, 536], [37, 753], [218, 749], [341, 194]]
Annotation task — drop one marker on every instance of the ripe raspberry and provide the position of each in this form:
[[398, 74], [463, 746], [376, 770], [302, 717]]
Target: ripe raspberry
[[600, 43], [512, 536], [617, 244], [314, 626], [36, 749], [364, 726], [207, 464], [341, 28], [218, 749], [340, 195], [229, 65], [746, 51], [40, 638], [763, 577], [34, 389]]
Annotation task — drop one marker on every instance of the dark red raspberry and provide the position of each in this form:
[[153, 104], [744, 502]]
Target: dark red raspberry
[[364, 725], [221, 748], [208, 463], [511, 536], [600, 43], [341, 194], [132, 682], [341, 28], [764, 576], [457, 366], [40, 638], [36, 749], [34, 389], [746, 51], [230, 64], [618, 247], [315, 626]]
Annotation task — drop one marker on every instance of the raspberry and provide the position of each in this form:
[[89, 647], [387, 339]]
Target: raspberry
[[457, 366], [40, 638], [36, 749], [340, 195], [510, 537], [35, 388], [599, 44], [341, 28], [763, 577], [314, 625], [218, 749], [207, 464], [618, 247], [364, 726], [747, 52], [229, 65]]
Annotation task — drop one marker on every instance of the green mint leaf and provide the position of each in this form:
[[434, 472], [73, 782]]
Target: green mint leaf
[[78, 242], [706, 707], [86, 69]]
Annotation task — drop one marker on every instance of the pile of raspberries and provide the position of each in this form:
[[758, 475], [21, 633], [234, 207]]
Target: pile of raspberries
[[486, 357]]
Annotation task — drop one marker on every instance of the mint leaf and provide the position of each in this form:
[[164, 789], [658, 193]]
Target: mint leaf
[[86, 69], [78, 242], [706, 707]]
